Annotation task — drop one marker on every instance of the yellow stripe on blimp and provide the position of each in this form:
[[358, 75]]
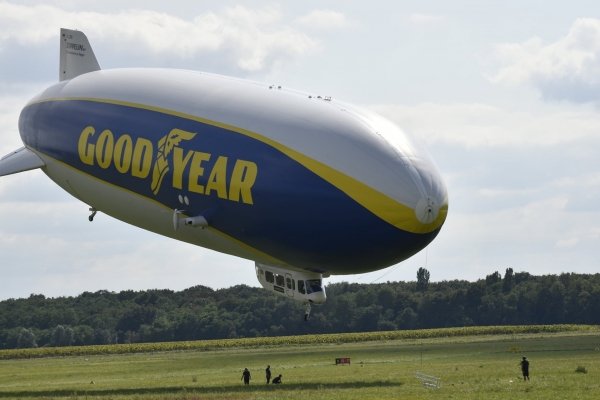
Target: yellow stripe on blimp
[[386, 208]]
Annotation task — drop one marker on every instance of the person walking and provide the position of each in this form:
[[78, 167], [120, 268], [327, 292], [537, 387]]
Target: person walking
[[268, 372], [525, 368], [277, 380], [246, 376]]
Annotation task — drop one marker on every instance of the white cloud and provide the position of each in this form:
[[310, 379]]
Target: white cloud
[[589, 179], [482, 125], [567, 242], [324, 19], [566, 69], [255, 38], [503, 192], [426, 18]]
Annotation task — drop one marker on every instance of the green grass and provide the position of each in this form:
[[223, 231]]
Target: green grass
[[469, 367], [293, 340]]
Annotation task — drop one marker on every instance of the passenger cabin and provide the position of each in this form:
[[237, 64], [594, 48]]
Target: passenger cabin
[[301, 286]]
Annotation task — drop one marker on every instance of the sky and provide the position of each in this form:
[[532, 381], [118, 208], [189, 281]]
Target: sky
[[504, 95]]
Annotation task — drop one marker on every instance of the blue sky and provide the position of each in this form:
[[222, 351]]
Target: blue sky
[[505, 96]]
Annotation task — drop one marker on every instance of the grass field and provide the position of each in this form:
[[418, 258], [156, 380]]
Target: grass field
[[474, 367]]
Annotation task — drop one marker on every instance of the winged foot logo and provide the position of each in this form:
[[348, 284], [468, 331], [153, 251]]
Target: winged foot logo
[[165, 145], [136, 159]]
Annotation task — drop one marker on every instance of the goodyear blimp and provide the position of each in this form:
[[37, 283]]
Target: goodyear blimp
[[304, 185]]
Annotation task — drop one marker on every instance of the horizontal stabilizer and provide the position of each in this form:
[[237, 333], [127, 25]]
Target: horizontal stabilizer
[[76, 55], [19, 161]]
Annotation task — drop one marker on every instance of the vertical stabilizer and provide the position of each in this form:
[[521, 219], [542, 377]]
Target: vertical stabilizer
[[76, 55]]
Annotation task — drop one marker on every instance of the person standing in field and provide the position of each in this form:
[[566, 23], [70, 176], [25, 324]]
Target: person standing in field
[[525, 368], [277, 380], [246, 376], [268, 372]]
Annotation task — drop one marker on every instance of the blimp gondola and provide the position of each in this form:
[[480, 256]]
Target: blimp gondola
[[304, 185]]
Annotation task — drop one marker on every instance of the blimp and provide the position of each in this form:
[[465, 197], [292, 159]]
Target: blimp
[[303, 185]]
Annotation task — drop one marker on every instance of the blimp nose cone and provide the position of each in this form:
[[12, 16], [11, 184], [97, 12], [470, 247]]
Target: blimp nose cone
[[428, 194], [427, 210]]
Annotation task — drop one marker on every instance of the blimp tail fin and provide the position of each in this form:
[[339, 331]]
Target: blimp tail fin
[[19, 161], [76, 55]]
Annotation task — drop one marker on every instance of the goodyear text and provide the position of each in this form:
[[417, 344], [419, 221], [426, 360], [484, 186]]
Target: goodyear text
[[138, 159]]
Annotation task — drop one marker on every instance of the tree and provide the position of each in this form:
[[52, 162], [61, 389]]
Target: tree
[[105, 336], [493, 278], [83, 335], [242, 311], [422, 279], [407, 319], [385, 297], [26, 339], [62, 336], [135, 317], [509, 280]]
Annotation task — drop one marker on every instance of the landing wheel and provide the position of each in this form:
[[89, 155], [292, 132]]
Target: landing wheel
[[307, 313], [94, 211]]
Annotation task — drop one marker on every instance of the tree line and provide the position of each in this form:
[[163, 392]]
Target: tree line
[[200, 312]]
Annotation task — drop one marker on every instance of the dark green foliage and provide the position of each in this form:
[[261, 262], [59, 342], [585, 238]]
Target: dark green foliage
[[136, 316], [62, 336], [26, 339], [83, 334], [422, 279], [242, 311], [509, 280], [581, 369], [493, 278]]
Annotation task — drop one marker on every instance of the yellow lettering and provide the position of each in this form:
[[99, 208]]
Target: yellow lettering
[[138, 158], [179, 164], [104, 148], [242, 180], [142, 158], [123, 153], [218, 178], [196, 171], [86, 153]]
